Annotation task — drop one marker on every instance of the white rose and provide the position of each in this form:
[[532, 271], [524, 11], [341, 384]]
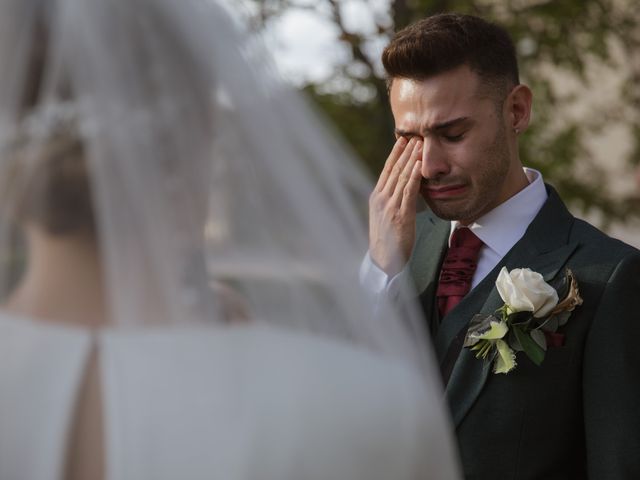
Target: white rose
[[524, 290]]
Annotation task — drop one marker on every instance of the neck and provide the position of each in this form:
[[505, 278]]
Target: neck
[[516, 182], [62, 282]]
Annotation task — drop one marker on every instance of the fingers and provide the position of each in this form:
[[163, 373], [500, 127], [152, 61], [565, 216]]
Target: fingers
[[396, 152], [391, 215], [411, 190], [404, 177]]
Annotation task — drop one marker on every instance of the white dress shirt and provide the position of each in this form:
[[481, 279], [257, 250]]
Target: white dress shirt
[[500, 229]]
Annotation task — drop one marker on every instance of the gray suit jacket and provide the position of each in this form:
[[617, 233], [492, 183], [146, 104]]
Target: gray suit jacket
[[578, 414]]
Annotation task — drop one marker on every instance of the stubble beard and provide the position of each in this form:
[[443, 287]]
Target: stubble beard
[[486, 188]]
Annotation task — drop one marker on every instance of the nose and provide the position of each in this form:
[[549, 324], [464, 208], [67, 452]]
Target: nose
[[434, 160]]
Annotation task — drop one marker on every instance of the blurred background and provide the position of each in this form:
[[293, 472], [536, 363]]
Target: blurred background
[[580, 57]]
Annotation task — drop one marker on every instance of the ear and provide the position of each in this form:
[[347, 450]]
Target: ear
[[519, 108]]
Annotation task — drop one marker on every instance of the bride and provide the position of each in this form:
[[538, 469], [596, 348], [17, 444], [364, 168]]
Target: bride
[[180, 245]]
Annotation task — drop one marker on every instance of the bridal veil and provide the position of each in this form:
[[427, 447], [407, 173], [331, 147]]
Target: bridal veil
[[215, 194], [210, 179]]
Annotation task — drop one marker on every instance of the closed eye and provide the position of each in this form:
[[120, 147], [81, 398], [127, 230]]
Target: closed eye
[[453, 138]]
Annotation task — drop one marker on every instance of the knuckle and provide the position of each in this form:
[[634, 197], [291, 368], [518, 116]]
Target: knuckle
[[392, 215], [398, 221]]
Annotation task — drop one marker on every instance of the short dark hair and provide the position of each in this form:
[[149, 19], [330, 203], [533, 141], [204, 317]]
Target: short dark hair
[[443, 42]]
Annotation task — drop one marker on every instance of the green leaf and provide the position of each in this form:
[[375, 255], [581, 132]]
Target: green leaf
[[551, 324], [513, 341], [531, 348], [481, 322], [520, 318], [539, 338], [479, 325]]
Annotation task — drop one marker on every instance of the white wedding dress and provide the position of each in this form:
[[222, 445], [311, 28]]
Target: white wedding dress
[[235, 403]]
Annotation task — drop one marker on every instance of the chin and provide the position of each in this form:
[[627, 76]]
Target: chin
[[445, 214], [447, 211]]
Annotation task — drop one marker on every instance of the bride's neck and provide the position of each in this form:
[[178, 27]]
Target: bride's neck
[[62, 282]]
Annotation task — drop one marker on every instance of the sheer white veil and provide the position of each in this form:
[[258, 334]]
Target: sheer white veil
[[210, 178]]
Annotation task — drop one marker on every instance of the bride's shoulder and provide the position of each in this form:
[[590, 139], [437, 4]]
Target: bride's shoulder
[[15, 326]]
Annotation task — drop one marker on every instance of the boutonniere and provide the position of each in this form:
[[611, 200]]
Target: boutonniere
[[532, 313]]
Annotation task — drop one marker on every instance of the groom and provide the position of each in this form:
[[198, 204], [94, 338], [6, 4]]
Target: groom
[[459, 108]]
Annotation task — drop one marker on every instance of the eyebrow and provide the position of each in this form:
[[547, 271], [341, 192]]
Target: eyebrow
[[438, 126]]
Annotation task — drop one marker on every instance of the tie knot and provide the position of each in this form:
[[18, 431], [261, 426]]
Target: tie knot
[[464, 237]]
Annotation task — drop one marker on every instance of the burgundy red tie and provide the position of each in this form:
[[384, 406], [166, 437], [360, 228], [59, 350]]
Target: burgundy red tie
[[458, 268]]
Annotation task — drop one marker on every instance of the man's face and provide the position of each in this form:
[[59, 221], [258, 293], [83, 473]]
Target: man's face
[[467, 165]]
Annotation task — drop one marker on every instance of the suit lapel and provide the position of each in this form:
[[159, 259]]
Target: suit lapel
[[545, 249], [432, 236]]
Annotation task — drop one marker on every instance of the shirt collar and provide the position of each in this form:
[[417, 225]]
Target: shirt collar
[[501, 228]]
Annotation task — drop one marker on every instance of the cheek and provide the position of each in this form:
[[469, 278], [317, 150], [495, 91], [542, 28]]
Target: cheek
[[474, 155], [463, 158]]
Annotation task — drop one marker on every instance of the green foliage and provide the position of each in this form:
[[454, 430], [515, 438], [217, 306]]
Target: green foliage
[[534, 351], [553, 37]]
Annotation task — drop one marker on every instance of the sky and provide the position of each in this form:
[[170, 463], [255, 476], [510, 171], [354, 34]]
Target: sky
[[304, 41]]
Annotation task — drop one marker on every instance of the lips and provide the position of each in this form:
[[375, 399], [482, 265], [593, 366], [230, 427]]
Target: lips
[[443, 191]]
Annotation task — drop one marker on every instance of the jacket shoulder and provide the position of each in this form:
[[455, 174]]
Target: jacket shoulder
[[599, 243]]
